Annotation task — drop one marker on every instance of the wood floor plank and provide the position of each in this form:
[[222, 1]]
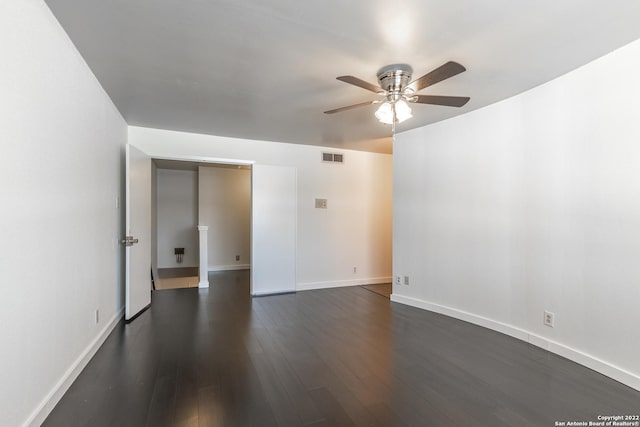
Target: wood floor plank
[[331, 409]]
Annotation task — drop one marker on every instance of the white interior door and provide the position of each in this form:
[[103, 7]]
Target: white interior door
[[273, 229], [138, 228]]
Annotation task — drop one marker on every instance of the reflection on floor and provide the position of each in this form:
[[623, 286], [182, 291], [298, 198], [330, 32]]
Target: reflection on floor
[[176, 278], [383, 289]]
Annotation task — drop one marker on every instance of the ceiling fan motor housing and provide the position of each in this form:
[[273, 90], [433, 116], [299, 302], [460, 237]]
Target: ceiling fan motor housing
[[395, 78]]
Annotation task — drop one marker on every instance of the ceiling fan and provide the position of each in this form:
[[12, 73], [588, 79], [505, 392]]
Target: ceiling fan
[[396, 90]]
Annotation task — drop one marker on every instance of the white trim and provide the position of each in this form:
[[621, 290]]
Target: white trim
[[40, 413], [307, 286], [203, 273], [203, 159], [619, 374], [265, 294], [229, 267]]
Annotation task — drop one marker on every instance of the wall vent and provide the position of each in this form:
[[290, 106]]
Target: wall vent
[[333, 157]]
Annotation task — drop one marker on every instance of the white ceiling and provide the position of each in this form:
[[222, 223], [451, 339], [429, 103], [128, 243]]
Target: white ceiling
[[265, 69]]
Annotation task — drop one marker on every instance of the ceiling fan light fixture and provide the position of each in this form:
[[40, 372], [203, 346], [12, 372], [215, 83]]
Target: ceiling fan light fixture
[[397, 112], [385, 113], [403, 111]]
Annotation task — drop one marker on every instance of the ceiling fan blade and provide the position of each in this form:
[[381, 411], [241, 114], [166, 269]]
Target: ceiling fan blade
[[449, 101], [360, 83], [441, 73], [362, 104]]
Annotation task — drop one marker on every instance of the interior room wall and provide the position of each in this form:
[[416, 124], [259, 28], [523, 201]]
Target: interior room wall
[[60, 191], [354, 230], [225, 207], [532, 204], [177, 216]]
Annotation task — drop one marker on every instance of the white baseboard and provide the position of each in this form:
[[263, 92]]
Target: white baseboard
[[342, 283], [265, 294], [229, 267], [52, 398], [165, 267], [592, 362]]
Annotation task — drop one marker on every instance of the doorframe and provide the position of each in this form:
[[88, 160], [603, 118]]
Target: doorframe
[[213, 160]]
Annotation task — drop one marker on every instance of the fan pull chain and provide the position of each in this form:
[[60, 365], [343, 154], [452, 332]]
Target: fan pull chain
[[393, 122]]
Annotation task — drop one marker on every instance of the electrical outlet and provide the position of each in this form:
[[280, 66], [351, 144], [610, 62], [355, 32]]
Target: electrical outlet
[[406, 280], [117, 202], [97, 316], [549, 319], [355, 269], [237, 257], [398, 280]]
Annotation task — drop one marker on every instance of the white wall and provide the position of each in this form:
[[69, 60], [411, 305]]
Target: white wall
[[355, 230], [177, 217], [225, 207], [62, 145], [532, 204]]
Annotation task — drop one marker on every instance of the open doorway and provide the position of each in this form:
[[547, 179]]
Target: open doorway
[[187, 194]]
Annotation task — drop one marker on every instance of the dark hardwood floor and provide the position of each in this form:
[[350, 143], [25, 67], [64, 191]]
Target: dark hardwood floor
[[383, 289], [335, 357], [168, 273]]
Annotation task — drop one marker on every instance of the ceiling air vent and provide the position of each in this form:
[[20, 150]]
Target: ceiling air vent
[[333, 157]]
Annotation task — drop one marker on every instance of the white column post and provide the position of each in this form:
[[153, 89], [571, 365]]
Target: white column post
[[204, 258]]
